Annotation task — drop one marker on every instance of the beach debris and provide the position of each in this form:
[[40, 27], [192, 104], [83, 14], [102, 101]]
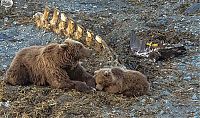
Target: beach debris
[[61, 24], [44, 18], [37, 17], [79, 32], [65, 26], [153, 50], [167, 52], [89, 38], [141, 47], [5, 104], [70, 27]]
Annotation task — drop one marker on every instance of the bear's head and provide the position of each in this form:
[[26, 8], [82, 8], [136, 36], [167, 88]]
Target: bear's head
[[76, 49], [66, 54], [106, 77]]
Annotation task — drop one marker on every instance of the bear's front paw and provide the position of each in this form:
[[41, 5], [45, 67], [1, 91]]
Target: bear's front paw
[[83, 87], [91, 82]]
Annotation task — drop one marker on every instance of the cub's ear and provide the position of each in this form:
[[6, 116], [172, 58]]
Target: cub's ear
[[68, 41], [95, 72], [106, 73], [63, 46]]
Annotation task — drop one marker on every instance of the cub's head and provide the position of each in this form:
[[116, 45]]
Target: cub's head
[[106, 77], [103, 78], [76, 50]]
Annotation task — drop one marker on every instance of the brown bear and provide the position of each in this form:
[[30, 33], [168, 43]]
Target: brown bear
[[55, 64], [118, 80]]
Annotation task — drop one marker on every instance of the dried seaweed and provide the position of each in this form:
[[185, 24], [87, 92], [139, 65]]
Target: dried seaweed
[[171, 95]]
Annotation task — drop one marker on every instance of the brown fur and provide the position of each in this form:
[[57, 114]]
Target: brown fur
[[118, 80], [49, 65]]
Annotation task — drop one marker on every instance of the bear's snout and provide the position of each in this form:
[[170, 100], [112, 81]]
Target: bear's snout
[[99, 87], [88, 52], [84, 53]]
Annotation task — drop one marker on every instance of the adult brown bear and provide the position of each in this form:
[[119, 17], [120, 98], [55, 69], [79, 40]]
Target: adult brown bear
[[55, 64]]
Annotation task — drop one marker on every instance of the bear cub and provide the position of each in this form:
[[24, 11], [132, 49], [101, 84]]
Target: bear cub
[[55, 64], [121, 81]]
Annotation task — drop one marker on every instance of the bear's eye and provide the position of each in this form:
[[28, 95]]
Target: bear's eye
[[99, 82], [80, 46], [107, 74]]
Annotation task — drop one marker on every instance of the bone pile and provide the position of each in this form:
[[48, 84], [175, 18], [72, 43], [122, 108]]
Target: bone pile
[[60, 24]]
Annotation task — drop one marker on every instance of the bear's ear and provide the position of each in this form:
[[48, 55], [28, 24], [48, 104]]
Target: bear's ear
[[95, 72], [67, 42], [106, 73], [63, 46]]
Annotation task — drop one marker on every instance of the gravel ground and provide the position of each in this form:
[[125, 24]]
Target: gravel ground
[[175, 90]]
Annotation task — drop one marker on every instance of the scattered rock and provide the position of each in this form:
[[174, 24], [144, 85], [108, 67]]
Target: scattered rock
[[5, 104], [154, 21], [187, 78], [194, 97]]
